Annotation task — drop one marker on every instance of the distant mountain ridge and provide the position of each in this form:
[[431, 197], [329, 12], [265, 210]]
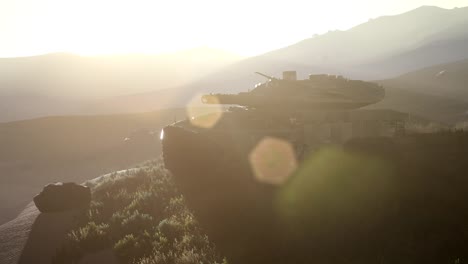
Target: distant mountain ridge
[[438, 93], [440, 52], [445, 80], [67, 84], [379, 49], [378, 38], [62, 74]]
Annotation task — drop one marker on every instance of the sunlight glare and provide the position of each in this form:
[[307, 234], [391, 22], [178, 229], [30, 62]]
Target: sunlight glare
[[202, 116], [273, 160], [161, 135]]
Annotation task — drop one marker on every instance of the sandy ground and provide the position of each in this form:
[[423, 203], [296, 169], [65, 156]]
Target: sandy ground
[[14, 198], [14, 234], [33, 237]]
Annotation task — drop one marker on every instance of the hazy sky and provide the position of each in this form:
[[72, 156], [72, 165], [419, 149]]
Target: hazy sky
[[247, 27]]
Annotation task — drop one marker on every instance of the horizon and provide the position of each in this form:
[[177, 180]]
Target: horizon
[[125, 54], [230, 35]]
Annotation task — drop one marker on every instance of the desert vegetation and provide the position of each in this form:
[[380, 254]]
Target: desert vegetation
[[373, 200], [399, 200], [142, 218]]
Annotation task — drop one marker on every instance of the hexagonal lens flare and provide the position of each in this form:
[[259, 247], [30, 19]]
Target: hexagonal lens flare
[[202, 116], [273, 160]]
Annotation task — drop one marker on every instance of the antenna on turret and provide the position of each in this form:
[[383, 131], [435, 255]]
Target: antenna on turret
[[266, 76]]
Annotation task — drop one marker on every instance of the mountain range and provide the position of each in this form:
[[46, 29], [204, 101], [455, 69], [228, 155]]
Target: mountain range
[[380, 49], [420, 54], [386, 42], [64, 84]]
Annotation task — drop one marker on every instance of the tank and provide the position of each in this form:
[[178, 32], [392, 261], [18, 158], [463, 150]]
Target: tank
[[231, 164], [317, 92], [322, 109]]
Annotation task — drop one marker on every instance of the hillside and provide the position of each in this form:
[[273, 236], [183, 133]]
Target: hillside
[[150, 215], [73, 148], [381, 48], [63, 84], [420, 105], [434, 53], [62, 74], [446, 80], [380, 38], [438, 93], [398, 200], [395, 200]]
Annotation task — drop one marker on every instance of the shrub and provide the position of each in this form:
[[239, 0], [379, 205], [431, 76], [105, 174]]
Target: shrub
[[91, 237], [139, 215], [131, 247]]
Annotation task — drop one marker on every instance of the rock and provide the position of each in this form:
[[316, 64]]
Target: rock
[[58, 197]]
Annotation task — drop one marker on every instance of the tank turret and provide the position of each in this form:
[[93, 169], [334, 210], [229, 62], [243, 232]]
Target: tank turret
[[317, 92]]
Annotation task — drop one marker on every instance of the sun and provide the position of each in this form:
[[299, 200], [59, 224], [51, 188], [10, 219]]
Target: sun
[[244, 27]]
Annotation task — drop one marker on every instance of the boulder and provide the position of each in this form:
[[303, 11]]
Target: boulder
[[59, 197]]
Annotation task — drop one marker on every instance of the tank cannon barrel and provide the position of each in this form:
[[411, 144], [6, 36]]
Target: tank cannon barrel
[[266, 76]]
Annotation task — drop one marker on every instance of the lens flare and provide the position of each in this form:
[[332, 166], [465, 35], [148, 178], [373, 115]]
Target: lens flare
[[273, 160], [339, 190], [203, 117], [161, 135]]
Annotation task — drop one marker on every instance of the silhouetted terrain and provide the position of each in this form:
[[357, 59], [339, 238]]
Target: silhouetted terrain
[[380, 40], [374, 200], [420, 105], [448, 80], [137, 216], [390, 200], [437, 52], [438, 93], [73, 148], [386, 44]]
